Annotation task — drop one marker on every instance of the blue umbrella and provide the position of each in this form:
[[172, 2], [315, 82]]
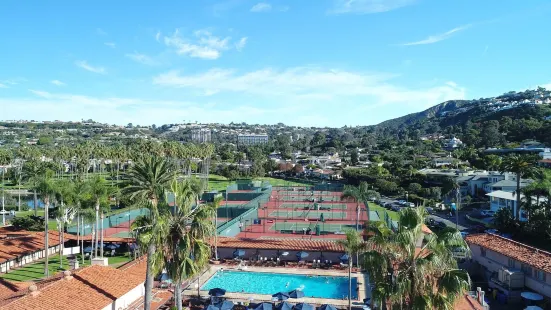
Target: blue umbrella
[[344, 258], [238, 253], [304, 306], [327, 307], [264, 306], [132, 246], [226, 305], [211, 307], [302, 255], [296, 294], [284, 306], [217, 292], [87, 249], [281, 296], [111, 247]]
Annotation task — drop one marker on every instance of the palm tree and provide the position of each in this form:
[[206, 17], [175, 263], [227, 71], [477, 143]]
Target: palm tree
[[411, 277], [353, 245], [100, 191], [33, 171], [46, 189], [521, 166], [64, 190], [360, 193], [147, 181]]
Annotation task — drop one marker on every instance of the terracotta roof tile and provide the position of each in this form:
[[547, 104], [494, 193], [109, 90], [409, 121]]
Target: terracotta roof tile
[[521, 252], [466, 302], [280, 244], [10, 248], [113, 282]]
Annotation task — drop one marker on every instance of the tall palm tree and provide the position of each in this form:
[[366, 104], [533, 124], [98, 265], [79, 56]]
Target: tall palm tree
[[353, 245], [147, 181], [521, 166], [361, 194], [99, 190], [33, 171], [65, 194], [411, 277], [46, 189]]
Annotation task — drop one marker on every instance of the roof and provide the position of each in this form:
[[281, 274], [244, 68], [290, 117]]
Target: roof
[[94, 287], [504, 195], [279, 244], [545, 161], [467, 302], [521, 252], [30, 242], [509, 183]]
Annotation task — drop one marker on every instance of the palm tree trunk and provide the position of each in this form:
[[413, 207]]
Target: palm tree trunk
[[149, 277], [35, 203], [97, 231], [350, 284], [82, 242], [357, 216], [518, 197], [101, 243], [78, 233], [178, 294], [46, 247], [60, 228]]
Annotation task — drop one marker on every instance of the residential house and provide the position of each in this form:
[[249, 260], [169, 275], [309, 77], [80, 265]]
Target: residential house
[[453, 143], [509, 266], [445, 161], [503, 199]]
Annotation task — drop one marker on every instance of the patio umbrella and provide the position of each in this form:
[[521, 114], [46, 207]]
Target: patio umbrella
[[304, 306], [296, 294], [284, 306], [238, 253], [211, 307], [327, 307], [225, 305], [344, 258], [531, 296], [263, 306], [217, 292], [88, 249], [281, 296], [302, 255], [110, 246]]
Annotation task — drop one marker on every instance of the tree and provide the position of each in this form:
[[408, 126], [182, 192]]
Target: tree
[[354, 158], [521, 166], [33, 171], [46, 189], [353, 245], [361, 194], [410, 278], [100, 191], [492, 162], [415, 188], [147, 182], [491, 136]]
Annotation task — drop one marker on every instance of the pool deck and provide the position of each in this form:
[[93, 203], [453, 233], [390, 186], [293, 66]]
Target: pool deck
[[362, 279]]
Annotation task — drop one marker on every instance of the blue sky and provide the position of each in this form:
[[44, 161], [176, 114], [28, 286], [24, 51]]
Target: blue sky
[[301, 62]]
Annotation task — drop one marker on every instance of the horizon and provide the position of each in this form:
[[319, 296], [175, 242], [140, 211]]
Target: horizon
[[330, 63]]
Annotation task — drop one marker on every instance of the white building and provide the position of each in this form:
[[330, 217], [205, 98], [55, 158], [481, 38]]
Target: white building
[[502, 199], [453, 143], [201, 135], [251, 139]]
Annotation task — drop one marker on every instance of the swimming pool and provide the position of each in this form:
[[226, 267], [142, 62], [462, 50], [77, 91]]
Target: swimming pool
[[271, 283]]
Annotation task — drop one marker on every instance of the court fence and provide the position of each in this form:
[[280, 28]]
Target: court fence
[[111, 221]]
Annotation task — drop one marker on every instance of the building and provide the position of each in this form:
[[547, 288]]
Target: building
[[251, 139], [502, 199], [19, 248], [509, 266], [201, 135], [445, 161], [453, 143]]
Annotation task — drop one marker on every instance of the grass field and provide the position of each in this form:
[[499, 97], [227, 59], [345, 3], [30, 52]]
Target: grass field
[[393, 214]]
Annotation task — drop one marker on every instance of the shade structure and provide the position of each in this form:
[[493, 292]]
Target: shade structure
[[304, 306], [302, 255], [238, 253], [211, 307], [533, 308], [281, 296], [531, 296], [327, 307], [225, 305], [296, 294], [87, 249], [110, 246], [284, 306], [263, 306], [217, 292]]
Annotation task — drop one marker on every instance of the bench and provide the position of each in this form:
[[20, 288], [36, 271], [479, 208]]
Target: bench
[[287, 231]]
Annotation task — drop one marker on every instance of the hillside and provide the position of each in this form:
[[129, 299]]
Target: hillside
[[431, 112]]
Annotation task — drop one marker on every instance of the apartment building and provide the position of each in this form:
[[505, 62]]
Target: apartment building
[[510, 267], [251, 139], [201, 135]]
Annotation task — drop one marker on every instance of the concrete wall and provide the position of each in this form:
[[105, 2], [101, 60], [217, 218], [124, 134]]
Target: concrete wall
[[26, 259], [124, 301]]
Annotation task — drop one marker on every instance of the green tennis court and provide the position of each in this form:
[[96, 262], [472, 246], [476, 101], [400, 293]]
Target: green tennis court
[[301, 226], [308, 198], [310, 214], [324, 206]]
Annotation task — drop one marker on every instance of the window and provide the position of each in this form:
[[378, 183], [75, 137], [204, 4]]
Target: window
[[511, 263], [483, 252], [527, 270], [540, 275]]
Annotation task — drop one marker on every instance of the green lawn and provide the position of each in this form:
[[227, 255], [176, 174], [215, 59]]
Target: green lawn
[[35, 271], [393, 214]]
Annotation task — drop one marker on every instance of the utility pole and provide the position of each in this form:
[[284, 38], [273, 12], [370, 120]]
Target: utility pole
[[458, 202]]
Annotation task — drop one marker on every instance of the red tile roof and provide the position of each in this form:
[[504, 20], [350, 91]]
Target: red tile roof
[[279, 244], [466, 302], [11, 248], [521, 252]]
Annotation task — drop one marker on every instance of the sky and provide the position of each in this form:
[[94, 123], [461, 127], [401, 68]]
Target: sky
[[300, 62]]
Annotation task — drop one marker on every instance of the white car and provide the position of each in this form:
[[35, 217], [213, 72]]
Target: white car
[[4, 212]]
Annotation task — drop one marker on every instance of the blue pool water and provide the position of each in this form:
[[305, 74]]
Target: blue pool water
[[270, 283]]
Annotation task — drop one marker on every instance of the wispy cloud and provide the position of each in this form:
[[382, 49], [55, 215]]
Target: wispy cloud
[[3, 86], [57, 83], [439, 37], [142, 58], [158, 36], [241, 44], [202, 45], [84, 65], [367, 6], [110, 44], [11, 82], [101, 32], [261, 7]]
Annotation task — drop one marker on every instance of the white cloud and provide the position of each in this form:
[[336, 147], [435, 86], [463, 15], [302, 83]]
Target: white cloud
[[367, 6], [3, 86], [439, 37], [142, 58], [261, 7], [204, 45], [241, 44], [57, 83], [158, 36], [110, 44], [311, 83], [84, 65]]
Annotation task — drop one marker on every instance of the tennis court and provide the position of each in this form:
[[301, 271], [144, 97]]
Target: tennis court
[[308, 214], [324, 206], [308, 198], [302, 226]]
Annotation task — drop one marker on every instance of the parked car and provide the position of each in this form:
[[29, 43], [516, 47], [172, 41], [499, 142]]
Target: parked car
[[402, 202], [488, 213], [395, 208], [411, 204], [430, 210]]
